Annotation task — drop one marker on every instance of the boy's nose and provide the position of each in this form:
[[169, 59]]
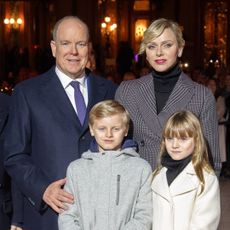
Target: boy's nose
[[108, 132]]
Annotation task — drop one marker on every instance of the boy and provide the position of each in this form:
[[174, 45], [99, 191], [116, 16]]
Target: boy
[[110, 183]]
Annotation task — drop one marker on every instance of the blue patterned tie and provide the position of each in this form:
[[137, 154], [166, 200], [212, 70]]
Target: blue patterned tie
[[79, 101]]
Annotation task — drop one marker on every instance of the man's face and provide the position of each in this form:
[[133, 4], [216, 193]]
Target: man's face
[[71, 48]]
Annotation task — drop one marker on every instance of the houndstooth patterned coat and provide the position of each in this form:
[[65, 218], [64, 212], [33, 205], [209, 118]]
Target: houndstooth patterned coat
[[138, 97]]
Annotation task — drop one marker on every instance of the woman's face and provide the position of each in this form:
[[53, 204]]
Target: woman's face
[[163, 51]]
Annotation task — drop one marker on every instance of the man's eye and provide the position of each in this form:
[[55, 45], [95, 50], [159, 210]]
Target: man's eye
[[65, 44], [81, 44]]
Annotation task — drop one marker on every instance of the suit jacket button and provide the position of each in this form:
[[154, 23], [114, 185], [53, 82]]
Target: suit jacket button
[[142, 143]]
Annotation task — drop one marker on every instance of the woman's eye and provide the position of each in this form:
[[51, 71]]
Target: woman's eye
[[151, 47], [167, 45]]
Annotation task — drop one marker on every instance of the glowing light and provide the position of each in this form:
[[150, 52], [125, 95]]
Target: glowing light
[[107, 19], [6, 21], [12, 21], [19, 21]]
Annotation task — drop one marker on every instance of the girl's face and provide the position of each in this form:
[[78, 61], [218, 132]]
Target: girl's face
[[179, 148], [163, 51]]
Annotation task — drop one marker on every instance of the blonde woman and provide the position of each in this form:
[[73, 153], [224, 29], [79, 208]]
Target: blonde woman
[[152, 99], [185, 187]]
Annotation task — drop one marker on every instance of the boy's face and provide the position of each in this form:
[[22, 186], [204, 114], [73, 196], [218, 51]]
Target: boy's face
[[109, 132]]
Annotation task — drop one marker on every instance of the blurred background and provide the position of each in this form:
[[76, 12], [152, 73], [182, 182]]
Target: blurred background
[[116, 28]]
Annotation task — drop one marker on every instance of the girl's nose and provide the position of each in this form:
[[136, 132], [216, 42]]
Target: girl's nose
[[175, 143]]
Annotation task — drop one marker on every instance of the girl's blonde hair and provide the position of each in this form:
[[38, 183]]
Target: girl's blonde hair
[[157, 28], [185, 124], [108, 108]]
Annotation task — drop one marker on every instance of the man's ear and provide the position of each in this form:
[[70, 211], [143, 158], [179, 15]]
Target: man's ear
[[53, 48]]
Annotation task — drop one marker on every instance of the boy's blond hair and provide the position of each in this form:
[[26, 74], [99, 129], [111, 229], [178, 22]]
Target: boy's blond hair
[[108, 108]]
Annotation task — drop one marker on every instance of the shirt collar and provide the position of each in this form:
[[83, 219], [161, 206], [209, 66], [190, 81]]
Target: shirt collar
[[65, 80]]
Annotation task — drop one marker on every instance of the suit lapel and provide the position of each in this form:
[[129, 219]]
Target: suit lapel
[[57, 99], [145, 97], [179, 98], [96, 93]]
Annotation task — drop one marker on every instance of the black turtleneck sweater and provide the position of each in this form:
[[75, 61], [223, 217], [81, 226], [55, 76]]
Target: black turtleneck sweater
[[164, 83], [174, 167]]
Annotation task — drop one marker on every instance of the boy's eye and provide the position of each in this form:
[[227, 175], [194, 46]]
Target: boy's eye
[[101, 128]]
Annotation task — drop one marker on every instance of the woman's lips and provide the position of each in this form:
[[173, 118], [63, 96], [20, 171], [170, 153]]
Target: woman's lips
[[160, 61]]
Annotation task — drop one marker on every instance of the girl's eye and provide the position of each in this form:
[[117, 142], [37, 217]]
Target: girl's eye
[[168, 138]]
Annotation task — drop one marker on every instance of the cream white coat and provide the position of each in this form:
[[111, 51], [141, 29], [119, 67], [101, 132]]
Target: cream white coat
[[180, 207]]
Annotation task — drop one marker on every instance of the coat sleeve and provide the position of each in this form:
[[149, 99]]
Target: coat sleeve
[[208, 118], [206, 212], [18, 150], [17, 198], [142, 219], [70, 218]]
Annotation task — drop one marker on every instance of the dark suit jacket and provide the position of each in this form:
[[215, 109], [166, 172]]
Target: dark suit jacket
[[5, 196], [43, 136], [138, 97]]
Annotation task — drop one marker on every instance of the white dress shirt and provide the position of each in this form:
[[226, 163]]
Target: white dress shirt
[[65, 81]]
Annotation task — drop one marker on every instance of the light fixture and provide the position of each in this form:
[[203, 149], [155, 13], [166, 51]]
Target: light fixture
[[15, 22]]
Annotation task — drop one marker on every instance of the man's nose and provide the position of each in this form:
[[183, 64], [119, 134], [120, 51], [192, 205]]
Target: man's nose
[[74, 49]]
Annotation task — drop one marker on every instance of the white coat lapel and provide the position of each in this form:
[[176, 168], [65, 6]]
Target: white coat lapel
[[185, 182], [160, 185]]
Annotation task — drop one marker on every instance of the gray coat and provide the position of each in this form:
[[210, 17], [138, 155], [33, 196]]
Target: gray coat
[[111, 190], [138, 97]]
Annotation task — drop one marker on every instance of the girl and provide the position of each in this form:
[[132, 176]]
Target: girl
[[185, 187]]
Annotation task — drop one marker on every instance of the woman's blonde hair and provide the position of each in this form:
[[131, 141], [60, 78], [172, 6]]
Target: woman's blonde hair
[[157, 28], [108, 108], [185, 124]]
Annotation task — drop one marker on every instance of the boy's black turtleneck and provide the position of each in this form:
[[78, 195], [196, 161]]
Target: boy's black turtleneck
[[164, 83]]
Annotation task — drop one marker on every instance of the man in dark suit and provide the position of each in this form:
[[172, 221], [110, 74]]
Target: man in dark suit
[[44, 133], [5, 196]]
